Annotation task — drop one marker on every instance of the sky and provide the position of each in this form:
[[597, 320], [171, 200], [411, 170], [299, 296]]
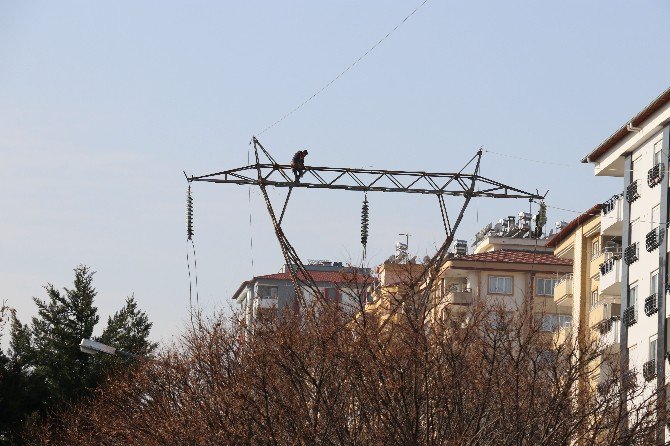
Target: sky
[[103, 106]]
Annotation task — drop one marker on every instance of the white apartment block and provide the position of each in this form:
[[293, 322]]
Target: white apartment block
[[638, 153]]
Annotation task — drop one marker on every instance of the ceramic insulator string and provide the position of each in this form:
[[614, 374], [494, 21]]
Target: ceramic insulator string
[[365, 222], [189, 215]]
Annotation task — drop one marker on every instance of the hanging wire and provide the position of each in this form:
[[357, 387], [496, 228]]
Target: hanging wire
[[189, 237], [251, 228], [361, 57], [365, 225]]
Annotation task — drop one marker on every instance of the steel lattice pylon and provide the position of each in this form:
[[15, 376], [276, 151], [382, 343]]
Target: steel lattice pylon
[[271, 173]]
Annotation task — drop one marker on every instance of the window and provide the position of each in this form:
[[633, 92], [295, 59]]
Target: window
[[564, 320], [652, 348], [268, 292], [657, 152], [552, 322], [331, 295], [594, 298], [655, 216], [595, 248], [632, 295], [500, 284], [545, 287], [653, 283]]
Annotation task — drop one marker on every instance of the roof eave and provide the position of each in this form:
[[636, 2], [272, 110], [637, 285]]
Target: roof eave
[[623, 131]]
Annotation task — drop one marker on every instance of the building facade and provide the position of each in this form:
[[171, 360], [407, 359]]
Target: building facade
[[269, 294], [593, 288], [638, 154], [509, 278]]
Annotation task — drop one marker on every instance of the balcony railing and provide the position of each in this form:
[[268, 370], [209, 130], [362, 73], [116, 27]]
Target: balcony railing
[[266, 302], [649, 370], [564, 288], [610, 204], [629, 316], [631, 254], [459, 297], [631, 192], [608, 265], [651, 304], [611, 213], [603, 314], [655, 175], [610, 276], [654, 238]]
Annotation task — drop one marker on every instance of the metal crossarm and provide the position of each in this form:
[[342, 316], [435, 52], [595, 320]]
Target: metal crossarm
[[367, 180], [459, 184]]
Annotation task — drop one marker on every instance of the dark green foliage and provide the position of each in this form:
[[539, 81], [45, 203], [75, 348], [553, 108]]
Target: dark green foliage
[[129, 329], [44, 369]]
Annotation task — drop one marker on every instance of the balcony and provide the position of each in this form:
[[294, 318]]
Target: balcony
[[603, 314], [611, 221], [596, 261], [649, 370], [564, 290], [655, 175], [610, 276], [264, 303], [631, 192], [654, 238], [459, 297]]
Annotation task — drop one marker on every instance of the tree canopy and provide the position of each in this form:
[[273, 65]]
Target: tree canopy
[[44, 370]]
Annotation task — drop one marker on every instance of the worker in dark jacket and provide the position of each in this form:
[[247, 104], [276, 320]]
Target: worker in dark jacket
[[298, 164]]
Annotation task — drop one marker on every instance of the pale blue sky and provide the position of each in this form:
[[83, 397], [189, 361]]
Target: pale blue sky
[[103, 105]]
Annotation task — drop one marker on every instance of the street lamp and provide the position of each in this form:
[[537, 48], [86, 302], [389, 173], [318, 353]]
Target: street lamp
[[94, 347]]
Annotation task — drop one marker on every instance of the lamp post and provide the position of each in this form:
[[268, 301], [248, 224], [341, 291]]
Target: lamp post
[[92, 347]]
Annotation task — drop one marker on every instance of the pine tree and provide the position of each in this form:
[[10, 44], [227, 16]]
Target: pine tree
[[62, 322], [129, 330], [22, 394], [44, 369]]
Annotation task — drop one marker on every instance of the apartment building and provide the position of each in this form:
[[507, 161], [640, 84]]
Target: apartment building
[[593, 288], [638, 153], [268, 294], [511, 265], [508, 277]]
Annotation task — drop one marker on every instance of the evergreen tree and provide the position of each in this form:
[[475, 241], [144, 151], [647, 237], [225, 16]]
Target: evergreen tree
[[128, 329], [44, 368], [22, 393], [62, 322]]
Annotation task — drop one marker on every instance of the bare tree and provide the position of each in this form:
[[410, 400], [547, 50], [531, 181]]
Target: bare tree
[[485, 376]]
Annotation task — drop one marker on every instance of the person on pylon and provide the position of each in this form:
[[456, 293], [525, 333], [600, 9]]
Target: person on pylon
[[298, 164]]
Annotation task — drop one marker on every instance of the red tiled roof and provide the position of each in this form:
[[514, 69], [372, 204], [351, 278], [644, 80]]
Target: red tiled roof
[[506, 256], [637, 121], [319, 276], [567, 230]]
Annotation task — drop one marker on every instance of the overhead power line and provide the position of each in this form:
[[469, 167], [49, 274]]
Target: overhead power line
[[332, 81]]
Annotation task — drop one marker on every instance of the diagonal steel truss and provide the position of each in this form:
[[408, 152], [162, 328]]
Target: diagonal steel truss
[[457, 184]]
